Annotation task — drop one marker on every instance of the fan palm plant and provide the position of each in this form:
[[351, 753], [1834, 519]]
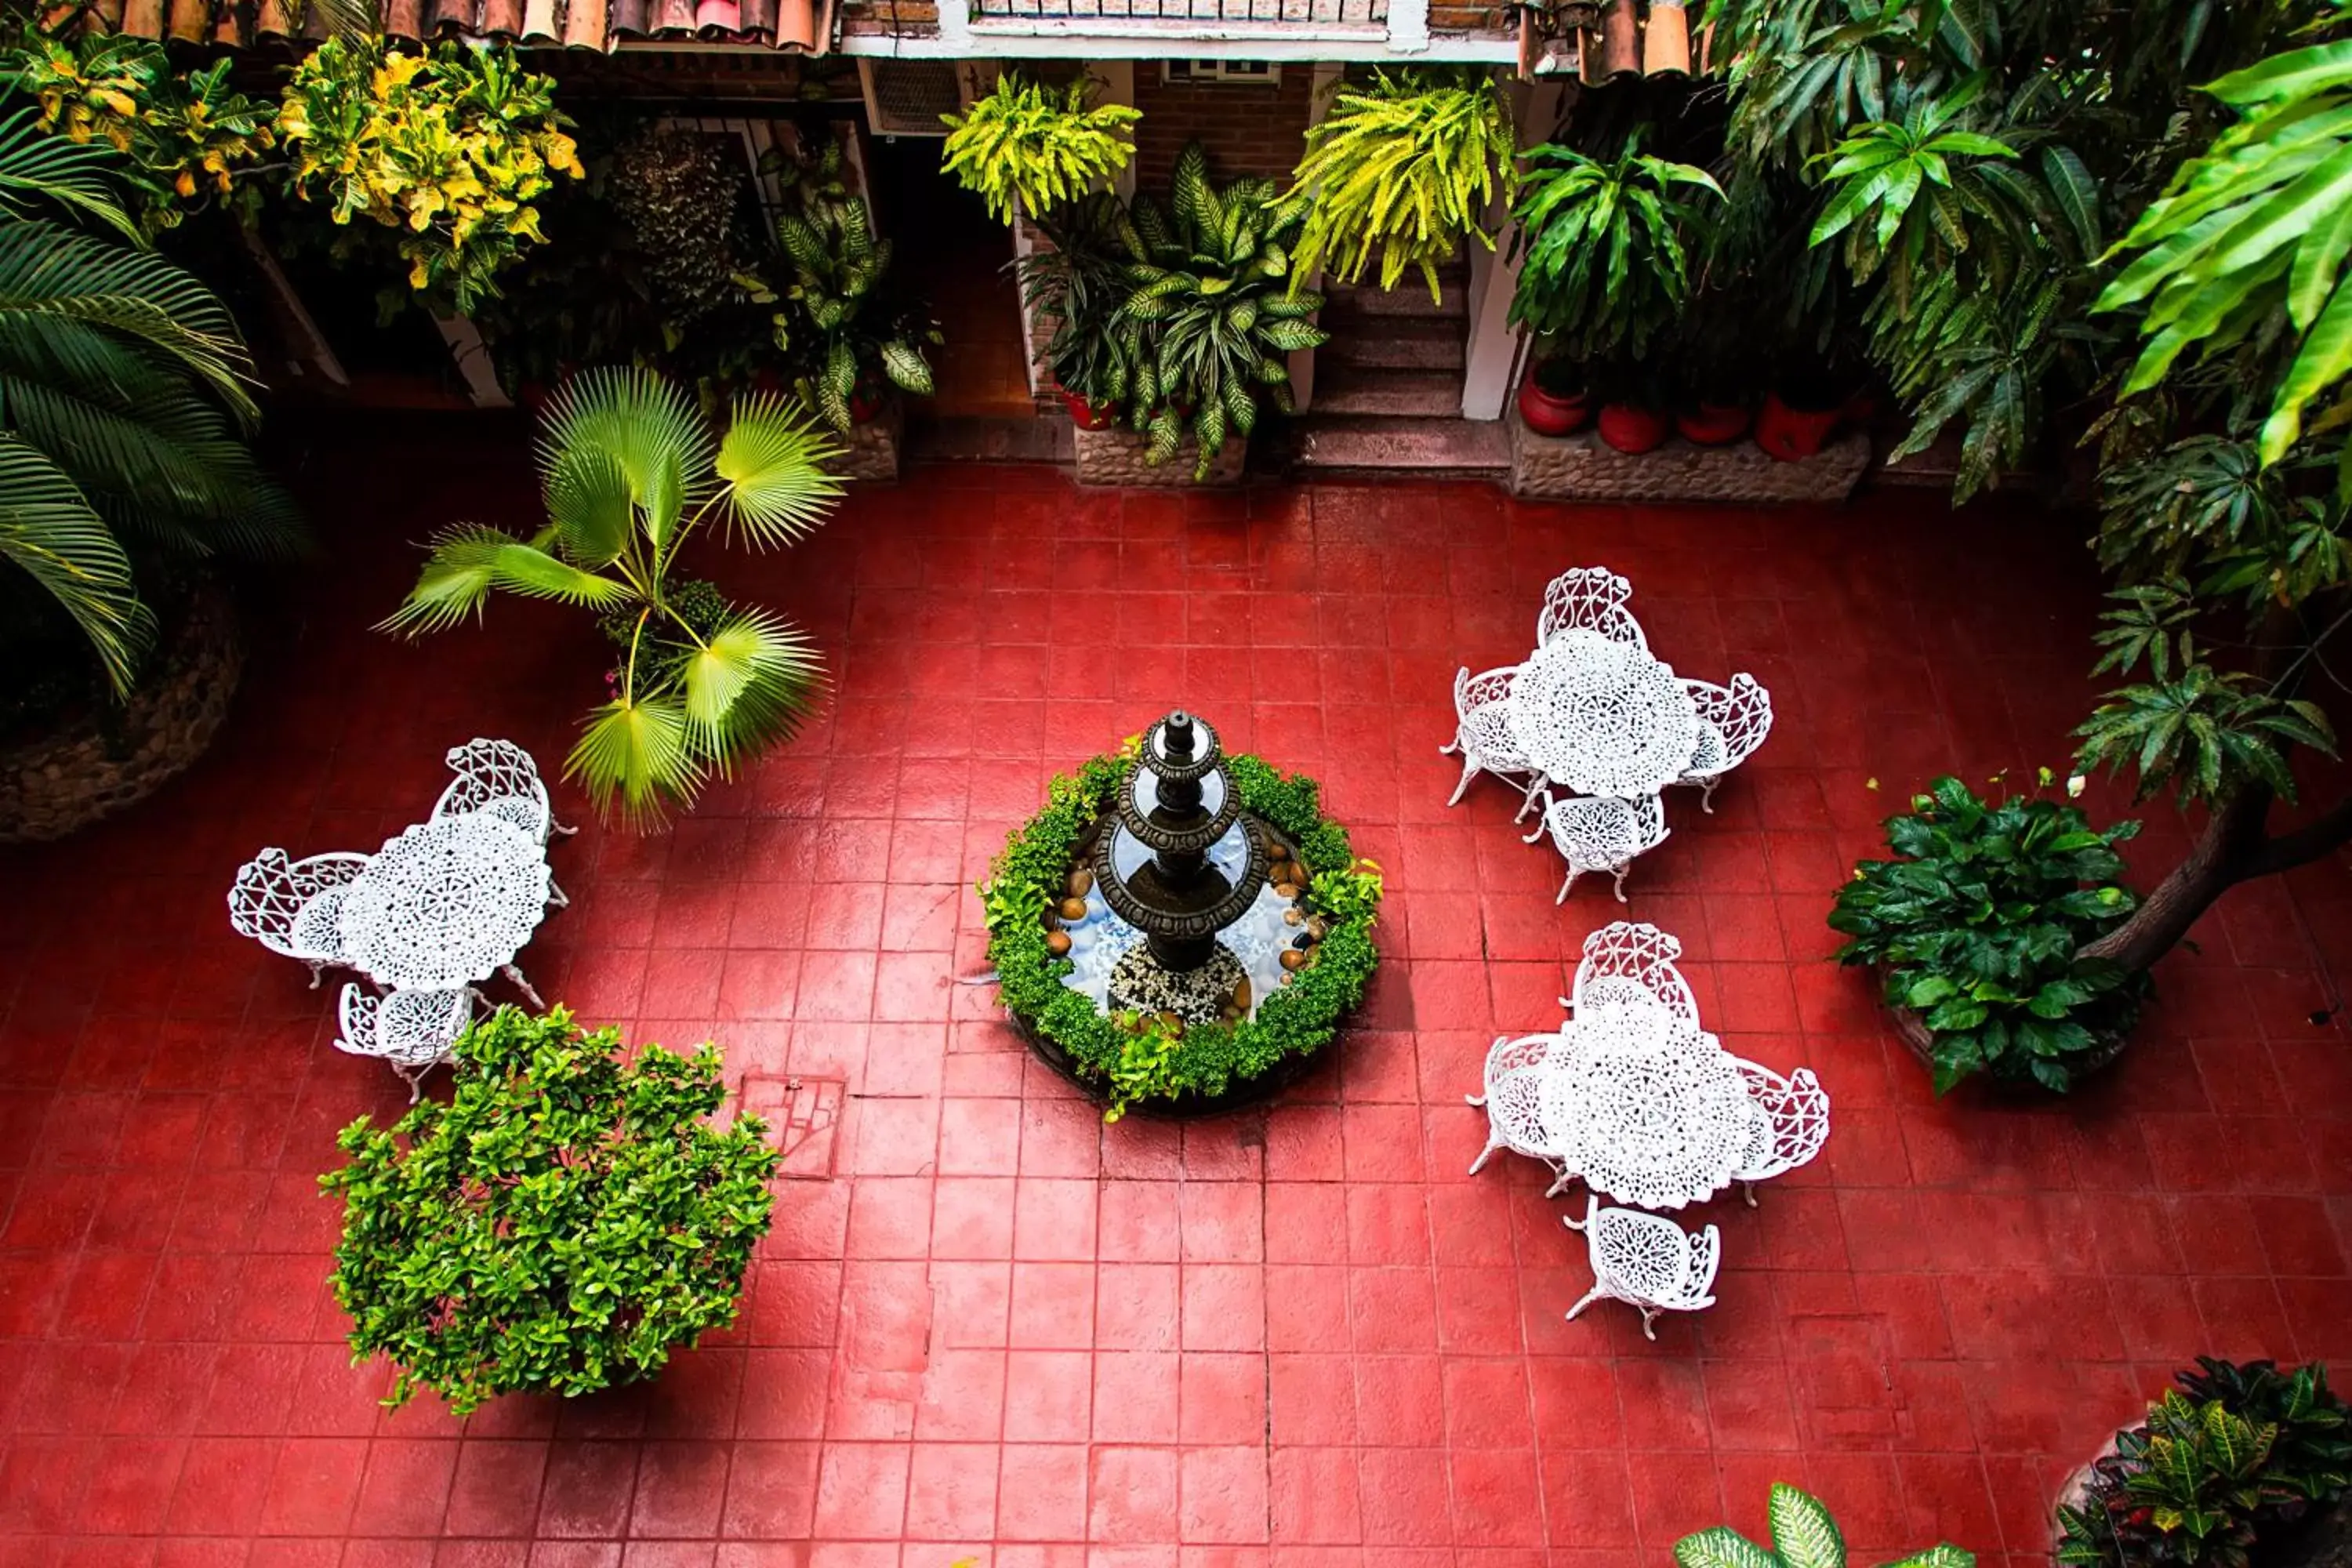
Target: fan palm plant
[[630, 473], [1208, 316], [122, 401]]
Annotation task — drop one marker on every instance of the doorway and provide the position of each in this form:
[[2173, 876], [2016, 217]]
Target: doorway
[[949, 251]]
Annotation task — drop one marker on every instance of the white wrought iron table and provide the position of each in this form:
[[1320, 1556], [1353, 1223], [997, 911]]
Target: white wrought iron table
[[1656, 1122], [1602, 718], [446, 903]]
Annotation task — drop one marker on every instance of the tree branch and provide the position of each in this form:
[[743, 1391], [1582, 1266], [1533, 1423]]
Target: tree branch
[[2323, 833]]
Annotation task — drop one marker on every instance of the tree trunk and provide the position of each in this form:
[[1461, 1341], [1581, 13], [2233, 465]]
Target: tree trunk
[[2233, 848]]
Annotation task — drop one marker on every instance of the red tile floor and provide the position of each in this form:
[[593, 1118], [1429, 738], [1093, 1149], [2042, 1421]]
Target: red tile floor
[[986, 1326]]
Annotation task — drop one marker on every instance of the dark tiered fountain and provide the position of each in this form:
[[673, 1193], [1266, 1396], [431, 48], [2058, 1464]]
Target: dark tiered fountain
[[1156, 864]]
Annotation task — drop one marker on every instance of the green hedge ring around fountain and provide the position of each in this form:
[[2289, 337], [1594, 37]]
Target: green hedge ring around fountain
[[1143, 1065]]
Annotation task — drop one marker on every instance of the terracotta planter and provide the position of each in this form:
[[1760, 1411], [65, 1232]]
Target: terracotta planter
[[1548, 416], [1712, 423], [1792, 434], [1089, 415], [1634, 429]]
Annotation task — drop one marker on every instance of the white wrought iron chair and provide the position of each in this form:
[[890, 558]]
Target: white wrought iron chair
[[1482, 733], [291, 907], [412, 1031], [500, 778], [1593, 598], [1646, 1261], [1514, 1106], [1600, 833], [1732, 723], [1633, 954], [1792, 1122]]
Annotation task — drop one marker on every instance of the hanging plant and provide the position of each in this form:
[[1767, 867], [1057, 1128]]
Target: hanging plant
[[1036, 146], [1408, 165]]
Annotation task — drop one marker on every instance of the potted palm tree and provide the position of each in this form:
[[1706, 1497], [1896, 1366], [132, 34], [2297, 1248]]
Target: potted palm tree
[[1606, 267], [631, 471], [122, 469]]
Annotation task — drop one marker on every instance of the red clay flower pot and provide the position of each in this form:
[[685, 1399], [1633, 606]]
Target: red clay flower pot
[[1791, 434], [1712, 423], [1634, 429], [864, 407], [1548, 416], [1089, 415]]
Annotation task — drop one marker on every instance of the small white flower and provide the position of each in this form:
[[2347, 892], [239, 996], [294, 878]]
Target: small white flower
[[2074, 783]]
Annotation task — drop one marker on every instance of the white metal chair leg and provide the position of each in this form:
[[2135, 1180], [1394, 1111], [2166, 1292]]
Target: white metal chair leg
[[1538, 833], [1589, 1297], [1473, 1100], [559, 827], [1749, 1188], [1560, 1183], [1621, 880], [556, 898], [1561, 897], [1484, 1155], [1450, 747], [1707, 795], [1469, 772], [1649, 1319], [1535, 787], [515, 974], [317, 973]]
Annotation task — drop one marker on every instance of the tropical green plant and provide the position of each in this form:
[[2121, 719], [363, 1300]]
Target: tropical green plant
[[122, 402], [559, 1226], [186, 136], [1606, 247], [1077, 281], [2255, 228], [1209, 317], [1138, 1058], [2232, 1454], [1037, 147], [630, 473], [1803, 1536], [679, 199], [448, 150], [840, 317], [1407, 164], [1980, 930]]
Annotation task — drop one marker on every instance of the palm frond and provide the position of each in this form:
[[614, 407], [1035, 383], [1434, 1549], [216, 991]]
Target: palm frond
[[747, 686], [48, 531], [80, 176], [772, 459], [646, 424], [635, 752]]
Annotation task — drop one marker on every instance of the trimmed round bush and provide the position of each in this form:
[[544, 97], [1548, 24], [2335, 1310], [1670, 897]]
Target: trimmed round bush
[[558, 1225], [1140, 1058]]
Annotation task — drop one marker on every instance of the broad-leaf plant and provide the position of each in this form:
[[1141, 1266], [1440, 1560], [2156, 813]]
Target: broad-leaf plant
[[1606, 246], [1033, 148], [1210, 316], [562, 1224], [631, 471], [1803, 1535], [1406, 164], [1980, 928]]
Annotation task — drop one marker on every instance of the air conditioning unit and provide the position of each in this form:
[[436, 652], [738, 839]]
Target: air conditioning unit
[[906, 98], [1257, 73]]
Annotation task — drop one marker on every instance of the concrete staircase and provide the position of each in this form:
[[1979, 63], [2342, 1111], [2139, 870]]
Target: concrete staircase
[[1387, 386]]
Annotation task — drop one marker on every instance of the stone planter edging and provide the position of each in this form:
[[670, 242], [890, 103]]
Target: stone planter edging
[[1583, 467], [60, 782], [875, 446], [1115, 457]]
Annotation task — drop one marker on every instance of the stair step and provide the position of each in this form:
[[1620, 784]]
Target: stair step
[[1417, 446], [1409, 297], [1353, 390], [1400, 342]]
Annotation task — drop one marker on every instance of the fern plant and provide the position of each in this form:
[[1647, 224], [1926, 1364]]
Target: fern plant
[[840, 317], [1803, 1536], [1409, 165], [1037, 147], [1209, 317]]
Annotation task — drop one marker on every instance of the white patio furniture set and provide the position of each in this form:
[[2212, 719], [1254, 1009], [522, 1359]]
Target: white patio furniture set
[[443, 906], [1593, 713], [1637, 1101]]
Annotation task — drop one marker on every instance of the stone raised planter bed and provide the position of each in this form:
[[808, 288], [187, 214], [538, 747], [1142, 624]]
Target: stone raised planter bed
[[1582, 467], [99, 763], [1116, 457], [875, 446]]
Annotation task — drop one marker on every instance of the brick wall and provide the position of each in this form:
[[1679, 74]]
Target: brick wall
[[1249, 128]]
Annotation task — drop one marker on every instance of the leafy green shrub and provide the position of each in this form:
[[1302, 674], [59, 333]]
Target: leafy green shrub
[[1607, 247], [1407, 164], [1979, 932], [556, 1228], [1031, 144], [1803, 1536], [1140, 1059], [2232, 1455]]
